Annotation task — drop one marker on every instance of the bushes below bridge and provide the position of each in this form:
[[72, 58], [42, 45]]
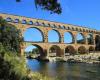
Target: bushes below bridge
[[13, 67]]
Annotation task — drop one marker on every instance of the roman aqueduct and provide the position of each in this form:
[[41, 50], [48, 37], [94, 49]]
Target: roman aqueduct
[[45, 47]]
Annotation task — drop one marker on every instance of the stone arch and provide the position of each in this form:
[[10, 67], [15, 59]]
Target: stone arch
[[64, 27], [92, 31], [81, 50], [49, 24], [91, 49], [90, 39], [34, 49], [83, 30], [55, 51], [34, 34], [36, 23], [80, 29], [80, 38], [52, 26], [40, 24], [68, 37], [55, 26], [59, 26], [16, 20], [8, 19], [54, 36], [87, 30], [43, 24], [70, 50], [30, 22], [73, 28], [24, 22], [46, 24], [76, 29], [68, 28]]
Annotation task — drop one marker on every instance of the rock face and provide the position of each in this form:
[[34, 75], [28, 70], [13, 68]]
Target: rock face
[[87, 58]]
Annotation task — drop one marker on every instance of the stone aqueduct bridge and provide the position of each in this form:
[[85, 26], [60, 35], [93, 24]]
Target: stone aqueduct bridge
[[44, 26]]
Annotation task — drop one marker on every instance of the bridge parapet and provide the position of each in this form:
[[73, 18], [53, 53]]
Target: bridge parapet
[[39, 22]]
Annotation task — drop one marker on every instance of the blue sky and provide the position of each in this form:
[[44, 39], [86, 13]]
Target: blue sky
[[77, 12]]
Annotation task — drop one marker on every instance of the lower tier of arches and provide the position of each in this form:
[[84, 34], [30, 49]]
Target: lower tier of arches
[[45, 50]]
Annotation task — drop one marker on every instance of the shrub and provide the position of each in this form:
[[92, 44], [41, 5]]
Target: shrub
[[14, 68]]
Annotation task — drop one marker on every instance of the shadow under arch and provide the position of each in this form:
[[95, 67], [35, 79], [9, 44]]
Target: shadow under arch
[[91, 49], [54, 36], [54, 51], [90, 39], [97, 43], [82, 50], [69, 37], [80, 38], [34, 49], [70, 50], [33, 34], [8, 19], [30, 22]]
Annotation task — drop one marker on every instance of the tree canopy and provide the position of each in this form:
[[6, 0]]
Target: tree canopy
[[10, 36], [51, 5]]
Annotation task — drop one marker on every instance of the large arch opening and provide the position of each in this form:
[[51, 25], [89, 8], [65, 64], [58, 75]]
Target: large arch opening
[[68, 38], [91, 49], [97, 43], [70, 50], [80, 38], [53, 36], [33, 35], [55, 51], [33, 51], [82, 50], [90, 39]]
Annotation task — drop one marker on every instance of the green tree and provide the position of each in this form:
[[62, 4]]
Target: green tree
[[10, 36], [35, 51], [51, 5]]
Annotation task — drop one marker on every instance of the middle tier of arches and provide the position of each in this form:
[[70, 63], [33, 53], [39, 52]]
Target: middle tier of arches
[[35, 34]]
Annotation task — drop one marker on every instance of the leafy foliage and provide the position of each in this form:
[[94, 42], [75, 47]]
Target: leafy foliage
[[51, 5], [13, 67], [35, 51], [10, 36], [17, 0]]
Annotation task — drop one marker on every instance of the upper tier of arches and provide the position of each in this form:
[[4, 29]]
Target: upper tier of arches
[[38, 22]]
